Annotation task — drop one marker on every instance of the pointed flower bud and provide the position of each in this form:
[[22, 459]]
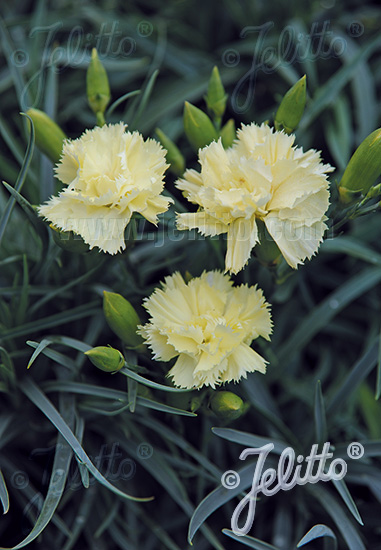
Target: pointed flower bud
[[362, 170], [106, 358], [122, 318], [216, 97], [228, 133], [195, 403], [173, 156], [227, 405], [98, 88], [69, 241], [291, 109], [198, 127], [49, 136]]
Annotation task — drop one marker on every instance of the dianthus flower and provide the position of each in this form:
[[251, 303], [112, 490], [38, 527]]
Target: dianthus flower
[[209, 326], [110, 174], [261, 177]]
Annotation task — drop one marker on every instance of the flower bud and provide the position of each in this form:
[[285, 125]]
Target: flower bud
[[105, 358], [173, 156], [228, 133], [49, 136], [362, 170], [227, 405], [291, 109], [216, 97], [195, 403], [98, 88], [69, 241], [122, 318], [198, 127]]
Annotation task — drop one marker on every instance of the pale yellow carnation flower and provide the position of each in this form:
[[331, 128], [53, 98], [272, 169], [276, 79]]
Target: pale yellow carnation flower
[[261, 177], [110, 174], [209, 326]]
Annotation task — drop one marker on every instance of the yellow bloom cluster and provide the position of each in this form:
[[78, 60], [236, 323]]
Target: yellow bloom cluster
[[261, 177], [110, 174], [208, 325]]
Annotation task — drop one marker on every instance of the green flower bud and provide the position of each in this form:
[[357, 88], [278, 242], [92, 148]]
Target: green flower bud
[[228, 133], [374, 192], [195, 403], [173, 156], [216, 97], [198, 127], [105, 358], [49, 136], [69, 241], [227, 405], [362, 170], [291, 109], [98, 88], [122, 318], [266, 250]]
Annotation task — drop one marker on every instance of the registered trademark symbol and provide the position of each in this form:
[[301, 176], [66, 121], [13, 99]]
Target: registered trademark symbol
[[144, 451], [355, 450], [145, 28], [356, 29]]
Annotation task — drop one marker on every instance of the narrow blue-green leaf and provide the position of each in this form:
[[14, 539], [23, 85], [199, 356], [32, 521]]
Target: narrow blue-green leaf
[[218, 498], [261, 399], [132, 391], [378, 382], [145, 97], [24, 294], [25, 205], [60, 469], [4, 497], [330, 90], [16, 72], [65, 341], [95, 391], [351, 247], [335, 511], [357, 374], [58, 357], [39, 349], [343, 491], [364, 93], [108, 519], [20, 180], [319, 415], [149, 383], [338, 132], [84, 472], [249, 542], [120, 100], [63, 288], [321, 315], [80, 312], [249, 440], [42, 402], [11, 141], [170, 435], [150, 404], [7, 366], [316, 532]]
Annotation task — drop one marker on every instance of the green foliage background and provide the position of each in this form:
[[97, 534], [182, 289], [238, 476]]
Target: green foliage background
[[326, 315]]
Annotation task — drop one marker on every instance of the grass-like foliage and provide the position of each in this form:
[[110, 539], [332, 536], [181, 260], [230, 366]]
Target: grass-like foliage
[[127, 460]]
